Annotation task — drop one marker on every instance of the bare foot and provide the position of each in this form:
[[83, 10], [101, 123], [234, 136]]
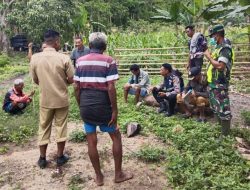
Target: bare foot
[[99, 180], [123, 177]]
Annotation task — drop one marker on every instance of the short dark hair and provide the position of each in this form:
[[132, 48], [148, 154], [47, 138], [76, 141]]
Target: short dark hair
[[134, 67], [78, 38], [191, 27], [167, 66], [51, 35]]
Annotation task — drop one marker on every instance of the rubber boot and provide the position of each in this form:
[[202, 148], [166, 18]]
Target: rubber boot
[[225, 127], [218, 120], [162, 107]]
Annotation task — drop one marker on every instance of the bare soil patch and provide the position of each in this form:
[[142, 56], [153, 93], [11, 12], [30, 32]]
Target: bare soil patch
[[19, 169]]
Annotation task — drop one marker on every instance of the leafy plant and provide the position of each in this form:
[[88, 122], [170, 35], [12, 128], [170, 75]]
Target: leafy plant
[[77, 136], [151, 154], [4, 60], [246, 117], [3, 150]]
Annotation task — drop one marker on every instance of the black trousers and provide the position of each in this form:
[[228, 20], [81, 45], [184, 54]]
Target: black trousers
[[171, 99], [196, 62]]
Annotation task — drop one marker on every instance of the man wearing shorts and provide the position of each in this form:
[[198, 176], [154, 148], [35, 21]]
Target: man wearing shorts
[[137, 85], [53, 72], [95, 92]]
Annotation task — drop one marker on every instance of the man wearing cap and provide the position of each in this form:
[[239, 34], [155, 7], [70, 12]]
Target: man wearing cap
[[195, 94], [165, 94], [53, 72], [138, 84], [15, 100], [79, 51], [197, 45], [218, 77]]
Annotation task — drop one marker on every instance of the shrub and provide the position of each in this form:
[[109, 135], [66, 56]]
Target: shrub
[[4, 60]]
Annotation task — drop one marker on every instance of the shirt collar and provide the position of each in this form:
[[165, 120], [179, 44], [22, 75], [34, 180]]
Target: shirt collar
[[96, 51], [49, 49]]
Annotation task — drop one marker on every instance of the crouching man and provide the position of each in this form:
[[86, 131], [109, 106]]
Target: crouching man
[[194, 94], [137, 85], [15, 100], [165, 94]]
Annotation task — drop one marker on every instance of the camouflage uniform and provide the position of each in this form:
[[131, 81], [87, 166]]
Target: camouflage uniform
[[219, 82]]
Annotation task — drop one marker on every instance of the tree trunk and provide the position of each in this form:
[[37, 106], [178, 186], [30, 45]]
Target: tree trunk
[[4, 40]]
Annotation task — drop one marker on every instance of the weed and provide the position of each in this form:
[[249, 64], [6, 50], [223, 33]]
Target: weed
[[77, 136], [151, 154], [245, 115], [3, 150], [75, 182]]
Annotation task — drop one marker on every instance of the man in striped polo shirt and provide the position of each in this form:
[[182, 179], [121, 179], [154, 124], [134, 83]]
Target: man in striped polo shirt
[[95, 91]]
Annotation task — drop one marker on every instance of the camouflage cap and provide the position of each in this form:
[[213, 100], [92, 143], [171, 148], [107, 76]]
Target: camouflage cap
[[215, 29]]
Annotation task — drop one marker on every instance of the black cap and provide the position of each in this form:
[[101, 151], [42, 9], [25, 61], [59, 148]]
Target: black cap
[[51, 34], [215, 29], [194, 71]]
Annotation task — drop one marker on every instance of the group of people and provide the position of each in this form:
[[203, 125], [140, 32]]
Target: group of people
[[94, 78], [202, 89]]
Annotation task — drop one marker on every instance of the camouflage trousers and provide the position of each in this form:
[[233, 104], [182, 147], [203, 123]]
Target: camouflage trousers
[[219, 103]]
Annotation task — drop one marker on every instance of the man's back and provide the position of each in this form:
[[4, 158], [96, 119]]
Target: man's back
[[52, 69]]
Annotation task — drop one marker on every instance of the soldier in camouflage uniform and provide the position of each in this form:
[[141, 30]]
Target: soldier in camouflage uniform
[[218, 74]]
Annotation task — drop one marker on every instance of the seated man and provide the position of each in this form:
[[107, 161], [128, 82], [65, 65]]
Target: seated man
[[166, 93], [15, 100], [194, 94], [138, 84]]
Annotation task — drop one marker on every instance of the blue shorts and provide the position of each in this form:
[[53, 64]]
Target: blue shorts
[[143, 92], [91, 128]]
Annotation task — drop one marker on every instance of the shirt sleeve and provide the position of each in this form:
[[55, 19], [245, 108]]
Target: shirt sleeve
[[188, 87], [72, 56], [112, 72], [144, 81], [19, 99], [225, 56], [176, 83], [69, 69], [33, 70]]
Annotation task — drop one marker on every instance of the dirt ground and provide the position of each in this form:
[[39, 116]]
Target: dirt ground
[[19, 170]]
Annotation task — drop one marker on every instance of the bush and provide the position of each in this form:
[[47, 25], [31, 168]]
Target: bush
[[77, 136], [4, 60], [245, 115]]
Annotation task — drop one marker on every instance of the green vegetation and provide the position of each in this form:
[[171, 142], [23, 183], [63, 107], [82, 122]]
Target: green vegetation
[[12, 66], [77, 136], [75, 182], [246, 117], [151, 154], [3, 150]]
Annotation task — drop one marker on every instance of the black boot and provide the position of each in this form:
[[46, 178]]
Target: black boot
[[162, 107], [225, 127]]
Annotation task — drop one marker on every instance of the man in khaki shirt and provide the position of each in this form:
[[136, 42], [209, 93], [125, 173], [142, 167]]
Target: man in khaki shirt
[[53, 72]]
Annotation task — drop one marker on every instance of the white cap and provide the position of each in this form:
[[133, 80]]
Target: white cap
[[18, 81]]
